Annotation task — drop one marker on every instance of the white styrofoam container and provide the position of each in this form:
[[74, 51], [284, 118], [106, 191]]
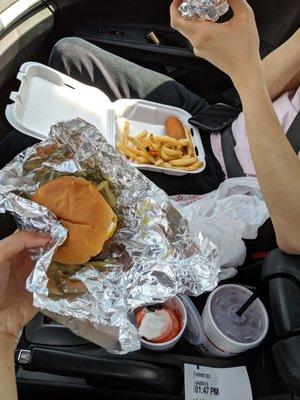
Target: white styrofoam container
[[46, 96]]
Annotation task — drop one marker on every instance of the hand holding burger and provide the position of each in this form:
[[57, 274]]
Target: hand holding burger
[[16, 308]]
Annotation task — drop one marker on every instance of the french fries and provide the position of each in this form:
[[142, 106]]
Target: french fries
[[191, 150], [171, 152], [183, 162], [126, 150], [159, 162], [125, 135], [164, 139], [141, 135], [161, 151]]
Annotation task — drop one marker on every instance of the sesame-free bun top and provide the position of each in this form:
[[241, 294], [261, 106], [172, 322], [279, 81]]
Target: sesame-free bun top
[[83, 211]]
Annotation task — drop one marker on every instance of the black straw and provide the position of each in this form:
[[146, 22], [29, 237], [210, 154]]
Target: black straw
[[247, 304]]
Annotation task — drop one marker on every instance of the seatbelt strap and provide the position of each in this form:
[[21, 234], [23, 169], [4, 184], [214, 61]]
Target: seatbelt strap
[[232, 164], [293, 134], [232, 98], [233, 167]]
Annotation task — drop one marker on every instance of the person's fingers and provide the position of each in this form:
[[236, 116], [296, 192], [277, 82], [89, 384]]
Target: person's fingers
[[179, 23], [191, 28], [174, 7], [20, 241], [176, 18]]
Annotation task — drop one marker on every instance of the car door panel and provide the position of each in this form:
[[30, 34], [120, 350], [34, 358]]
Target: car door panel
[[122, 28], [276, 20], [22, 38]]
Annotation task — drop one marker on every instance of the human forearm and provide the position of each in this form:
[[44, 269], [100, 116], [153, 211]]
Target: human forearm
[[16, 308], [7, 371], [282, 67], [276, 164]]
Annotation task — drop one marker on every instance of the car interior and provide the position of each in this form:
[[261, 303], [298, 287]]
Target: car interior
[[50, 360]]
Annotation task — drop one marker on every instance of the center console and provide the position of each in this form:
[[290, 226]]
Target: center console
[[49, 350]]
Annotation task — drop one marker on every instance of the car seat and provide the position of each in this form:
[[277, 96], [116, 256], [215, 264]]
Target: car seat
[[266, 239], [281, 275]]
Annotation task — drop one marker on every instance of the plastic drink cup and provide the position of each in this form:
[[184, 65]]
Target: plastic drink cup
[[225, 333]]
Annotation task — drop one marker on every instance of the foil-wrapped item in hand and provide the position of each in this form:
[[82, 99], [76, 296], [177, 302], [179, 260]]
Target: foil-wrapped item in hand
[[204, 10], [154, 254]]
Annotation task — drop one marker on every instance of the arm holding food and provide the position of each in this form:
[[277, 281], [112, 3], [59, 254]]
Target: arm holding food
[[277, 166], [282, 67], [7, 368], [16, 308]]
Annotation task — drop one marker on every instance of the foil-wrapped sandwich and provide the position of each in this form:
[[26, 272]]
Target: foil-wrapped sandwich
[[89, 219], [204, 10], [118, 243]]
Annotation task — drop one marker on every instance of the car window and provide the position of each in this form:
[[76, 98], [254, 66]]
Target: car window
[[4, 4], [12, 10]]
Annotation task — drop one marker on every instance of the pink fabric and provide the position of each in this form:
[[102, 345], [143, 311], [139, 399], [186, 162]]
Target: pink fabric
[[286, 107]]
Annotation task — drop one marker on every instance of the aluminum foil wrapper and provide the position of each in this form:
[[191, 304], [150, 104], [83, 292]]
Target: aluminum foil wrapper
[[204, 10], [154, 255]]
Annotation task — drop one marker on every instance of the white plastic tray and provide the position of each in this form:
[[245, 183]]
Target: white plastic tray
[[47, 96]]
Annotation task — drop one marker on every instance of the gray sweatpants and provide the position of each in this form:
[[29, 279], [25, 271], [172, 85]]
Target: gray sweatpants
[[119, 78]]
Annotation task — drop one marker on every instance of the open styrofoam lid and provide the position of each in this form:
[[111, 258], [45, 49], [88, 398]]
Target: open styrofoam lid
[[46, 96], [193, 333]]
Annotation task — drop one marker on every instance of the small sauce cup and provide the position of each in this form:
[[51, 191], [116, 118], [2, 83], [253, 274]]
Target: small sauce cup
[[176, 305]]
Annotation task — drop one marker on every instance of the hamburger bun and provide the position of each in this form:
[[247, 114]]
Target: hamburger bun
[[83, 211], [75, 200]]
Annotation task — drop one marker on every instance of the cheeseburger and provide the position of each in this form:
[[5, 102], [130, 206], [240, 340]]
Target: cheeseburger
[[84, 212]]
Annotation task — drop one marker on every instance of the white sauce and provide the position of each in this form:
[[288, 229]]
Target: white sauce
[[155, 324]]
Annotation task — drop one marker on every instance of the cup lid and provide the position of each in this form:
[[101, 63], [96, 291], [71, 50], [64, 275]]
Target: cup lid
[[244, 330], [193, 333]]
